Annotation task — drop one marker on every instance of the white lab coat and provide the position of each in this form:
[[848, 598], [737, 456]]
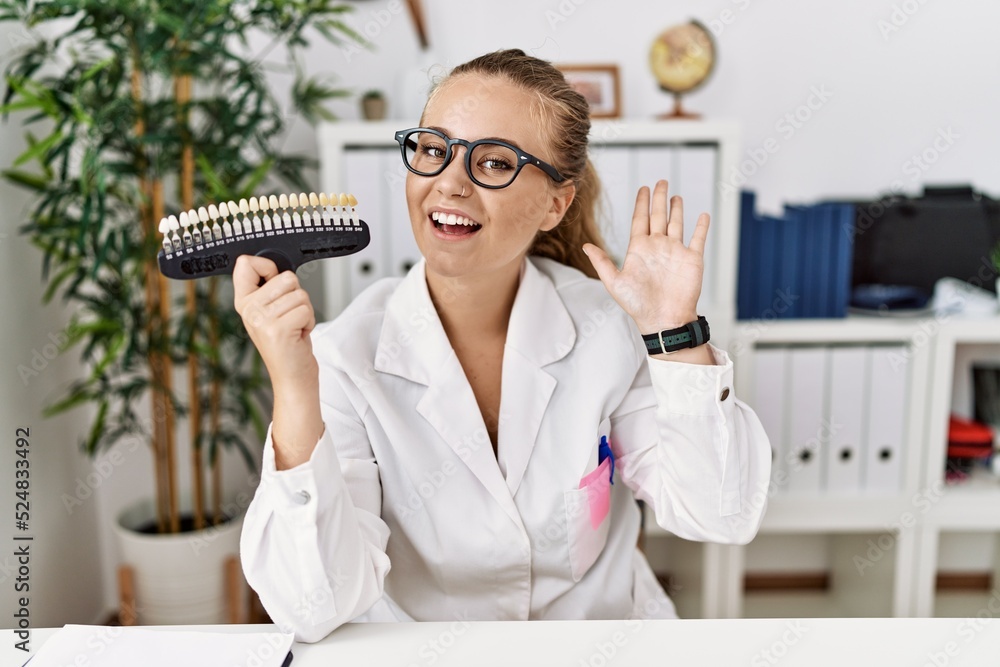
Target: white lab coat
[[405, 475]]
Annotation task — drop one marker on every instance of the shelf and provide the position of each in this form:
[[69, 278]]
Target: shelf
[[972, 504], [833, 513], [828, 513], [860, 328], [850, 329], [962, 331]]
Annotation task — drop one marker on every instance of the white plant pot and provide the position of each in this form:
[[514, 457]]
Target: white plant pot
[[178, 578]]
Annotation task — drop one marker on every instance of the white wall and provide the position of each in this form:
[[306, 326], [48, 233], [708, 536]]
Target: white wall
[[890, 95], [64, 577], [890, 98]]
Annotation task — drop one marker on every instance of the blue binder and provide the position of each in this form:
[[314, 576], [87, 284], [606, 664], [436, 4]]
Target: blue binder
[[791, 272], [843, 224], [748, 261], [770, 255]]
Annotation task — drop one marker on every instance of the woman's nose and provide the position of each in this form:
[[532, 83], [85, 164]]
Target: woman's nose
[[454, 179]]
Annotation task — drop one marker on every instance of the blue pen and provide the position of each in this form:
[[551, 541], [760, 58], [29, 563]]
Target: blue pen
[[604, 452]]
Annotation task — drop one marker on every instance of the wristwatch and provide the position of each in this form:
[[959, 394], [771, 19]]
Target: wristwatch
[[691, 334]]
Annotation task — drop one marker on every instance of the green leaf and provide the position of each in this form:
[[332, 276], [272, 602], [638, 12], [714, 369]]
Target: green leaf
[[97, 427], [23, 178], [38, 149], [74, 399]]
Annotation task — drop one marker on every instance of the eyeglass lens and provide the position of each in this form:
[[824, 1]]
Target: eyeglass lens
[[492, 164]]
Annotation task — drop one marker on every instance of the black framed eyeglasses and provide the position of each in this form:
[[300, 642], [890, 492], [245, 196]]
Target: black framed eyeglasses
[[490, 163]]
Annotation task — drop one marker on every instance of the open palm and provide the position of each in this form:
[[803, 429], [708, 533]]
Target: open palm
[[660, 280]]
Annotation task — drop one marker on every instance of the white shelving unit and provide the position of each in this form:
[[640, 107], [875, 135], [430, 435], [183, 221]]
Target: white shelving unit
[[972, 506], [696, 157]]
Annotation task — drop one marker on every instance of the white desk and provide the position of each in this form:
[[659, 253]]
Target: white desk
[[764, 642]]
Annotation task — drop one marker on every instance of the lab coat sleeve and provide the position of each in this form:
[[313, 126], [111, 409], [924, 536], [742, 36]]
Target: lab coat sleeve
[[313, 541], [696, 454]]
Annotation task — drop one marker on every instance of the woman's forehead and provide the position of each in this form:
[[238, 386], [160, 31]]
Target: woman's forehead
[[473, 107]]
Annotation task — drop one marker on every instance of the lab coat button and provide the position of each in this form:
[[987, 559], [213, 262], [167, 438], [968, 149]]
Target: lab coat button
[[725, 394], [302, 497]]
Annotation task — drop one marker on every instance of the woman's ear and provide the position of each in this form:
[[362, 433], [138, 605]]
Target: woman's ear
[[559, 204]]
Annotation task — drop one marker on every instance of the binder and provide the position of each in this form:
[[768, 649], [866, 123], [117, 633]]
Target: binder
[[824, 229], [747, 270], [403, 251], [770, 398], [791, 266], [842, 224], [363, 179], [695, 182], [846, 418], [815, 273], [890, 369], [650, 164], [806, 427], [767, 274], [614, 167]]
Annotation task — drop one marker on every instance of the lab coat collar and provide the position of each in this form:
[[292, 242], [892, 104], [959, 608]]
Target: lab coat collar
[[414, 345]]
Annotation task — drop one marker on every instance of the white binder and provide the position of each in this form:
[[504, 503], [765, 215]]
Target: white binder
[[650, 164], [695, 182], [770, 398], [890, 371], [395, 224], [806, 427], [363, 179], [846, 418], [614, 167]]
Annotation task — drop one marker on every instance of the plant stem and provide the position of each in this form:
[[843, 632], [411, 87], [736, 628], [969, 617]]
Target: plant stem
[[166, 367], [145, 219], [216, 399], [182, 95]]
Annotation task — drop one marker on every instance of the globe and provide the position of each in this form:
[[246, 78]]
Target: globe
[[682, 58]]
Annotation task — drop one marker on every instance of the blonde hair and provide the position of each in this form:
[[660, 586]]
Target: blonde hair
[[565, 119]]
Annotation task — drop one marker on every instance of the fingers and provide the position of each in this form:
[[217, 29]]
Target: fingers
[[700, 234], [658, 219], [605, 267], [675, 224], [640, 217], [302, 318], [247, 273]]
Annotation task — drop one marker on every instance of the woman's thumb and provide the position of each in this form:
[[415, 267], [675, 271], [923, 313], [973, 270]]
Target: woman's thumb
[[605, 267]]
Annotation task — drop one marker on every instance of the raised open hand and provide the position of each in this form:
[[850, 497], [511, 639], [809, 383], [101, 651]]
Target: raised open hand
[[660, 281]]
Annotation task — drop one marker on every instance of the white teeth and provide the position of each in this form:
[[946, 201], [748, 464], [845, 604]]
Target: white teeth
[[452, 219]]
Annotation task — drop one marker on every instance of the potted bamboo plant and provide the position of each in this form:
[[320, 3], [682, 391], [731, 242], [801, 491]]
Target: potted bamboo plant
[[138, 109]]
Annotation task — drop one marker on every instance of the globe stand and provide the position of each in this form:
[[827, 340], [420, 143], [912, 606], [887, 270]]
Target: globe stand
[[678, 112]]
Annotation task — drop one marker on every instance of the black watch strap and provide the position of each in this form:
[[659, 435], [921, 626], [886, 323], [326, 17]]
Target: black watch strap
[[691, 334]]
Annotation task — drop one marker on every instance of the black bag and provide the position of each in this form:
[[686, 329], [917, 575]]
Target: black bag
[[949, 231]]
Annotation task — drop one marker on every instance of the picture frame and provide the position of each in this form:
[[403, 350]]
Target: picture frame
[[599, 84]]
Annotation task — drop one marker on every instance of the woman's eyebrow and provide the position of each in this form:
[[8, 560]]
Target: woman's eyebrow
[[448, 134]]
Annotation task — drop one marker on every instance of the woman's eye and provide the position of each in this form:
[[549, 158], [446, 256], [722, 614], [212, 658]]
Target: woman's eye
[[432, 151], [495, 164]]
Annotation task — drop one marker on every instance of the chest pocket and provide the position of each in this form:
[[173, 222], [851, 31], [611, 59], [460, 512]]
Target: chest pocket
[[587, 509]]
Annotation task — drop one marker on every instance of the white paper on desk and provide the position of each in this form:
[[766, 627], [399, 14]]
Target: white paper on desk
[[100, 646]]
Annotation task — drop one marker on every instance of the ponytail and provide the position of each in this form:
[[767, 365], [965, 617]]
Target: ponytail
[[579, 225]]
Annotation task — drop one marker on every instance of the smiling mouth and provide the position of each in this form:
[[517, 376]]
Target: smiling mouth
[[454, 225]]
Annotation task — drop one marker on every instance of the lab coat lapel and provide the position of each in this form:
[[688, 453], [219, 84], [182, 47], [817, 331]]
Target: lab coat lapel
[[540, 332], [413, 345]]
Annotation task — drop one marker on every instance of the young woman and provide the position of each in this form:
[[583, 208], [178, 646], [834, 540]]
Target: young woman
[[445, 449]]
